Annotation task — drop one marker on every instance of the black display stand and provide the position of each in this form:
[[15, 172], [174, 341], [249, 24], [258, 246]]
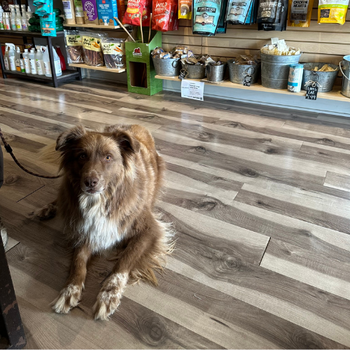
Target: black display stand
[[66, 75]]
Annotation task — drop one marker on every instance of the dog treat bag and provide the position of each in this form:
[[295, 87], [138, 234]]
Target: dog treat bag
[[332, 11], [299, 13], [237, 11], [113, 52], [164, 13], [74, 46], [134, 10], [185, 9], [206, 14], [92, 48]]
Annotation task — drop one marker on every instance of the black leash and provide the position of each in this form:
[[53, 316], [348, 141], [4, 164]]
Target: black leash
[[9, 150]]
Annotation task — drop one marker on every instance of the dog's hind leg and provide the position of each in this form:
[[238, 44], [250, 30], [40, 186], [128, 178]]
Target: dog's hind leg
[[138, 258], [70, 295]]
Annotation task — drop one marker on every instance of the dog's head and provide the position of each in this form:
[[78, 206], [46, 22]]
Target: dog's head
[[95, 160]]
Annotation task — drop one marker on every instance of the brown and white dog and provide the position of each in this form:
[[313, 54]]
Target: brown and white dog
[[111, 180]]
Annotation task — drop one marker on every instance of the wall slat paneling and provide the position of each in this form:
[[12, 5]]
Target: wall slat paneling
[[318, 43]]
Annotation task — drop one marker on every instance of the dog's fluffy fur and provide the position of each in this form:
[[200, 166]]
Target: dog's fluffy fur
[[110, 183]]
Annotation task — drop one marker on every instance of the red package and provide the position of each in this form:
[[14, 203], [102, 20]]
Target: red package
[[146, 13], [164, 13], [174, 18], [133, 12]]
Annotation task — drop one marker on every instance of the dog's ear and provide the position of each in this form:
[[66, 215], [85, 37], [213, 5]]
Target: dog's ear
[[127, 143], [69, 136]]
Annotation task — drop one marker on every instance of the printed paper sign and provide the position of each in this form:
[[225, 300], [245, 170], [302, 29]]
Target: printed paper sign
[[192, 89]]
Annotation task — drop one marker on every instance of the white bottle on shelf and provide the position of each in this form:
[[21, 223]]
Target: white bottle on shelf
[[6, 57], [46, 60], [13, 17], [26, 61], [24, 18], [57, 62], [29, 13], [18, 18], [2, 24], [39, 62], [12, 57], [32, 61], [18, 59], [7, 21]]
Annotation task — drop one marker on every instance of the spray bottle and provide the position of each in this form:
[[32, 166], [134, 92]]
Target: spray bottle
[[32, 61], [6, 57], [11, 55], [26, 61], [39, 61]]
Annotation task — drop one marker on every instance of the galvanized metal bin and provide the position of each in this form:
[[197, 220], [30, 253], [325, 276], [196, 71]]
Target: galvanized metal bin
[[324, 80], [167, 67], [194, 71], [345, 70], [275, 70], [238, 72], [215, 74]]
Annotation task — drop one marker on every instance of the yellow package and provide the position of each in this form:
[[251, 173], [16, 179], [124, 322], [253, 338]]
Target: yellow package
[[299, 13], [332, 11]]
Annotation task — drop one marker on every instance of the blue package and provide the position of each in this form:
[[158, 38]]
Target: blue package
[[44, 9], [48, 28], [206, 14], [107, 9]]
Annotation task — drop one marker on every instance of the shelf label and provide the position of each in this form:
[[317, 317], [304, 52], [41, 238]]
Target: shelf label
[[192, 89]]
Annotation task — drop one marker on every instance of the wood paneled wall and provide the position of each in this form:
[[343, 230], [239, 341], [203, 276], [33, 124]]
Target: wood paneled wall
[[319, 43]]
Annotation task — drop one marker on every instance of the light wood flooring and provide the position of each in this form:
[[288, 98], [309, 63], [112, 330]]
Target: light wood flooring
[[259, 198]]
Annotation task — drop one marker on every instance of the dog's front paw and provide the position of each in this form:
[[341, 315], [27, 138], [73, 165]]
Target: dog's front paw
[[47, 212], [68, 298], [109, 297]]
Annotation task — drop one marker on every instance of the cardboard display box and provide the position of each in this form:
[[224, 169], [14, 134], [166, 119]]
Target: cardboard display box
[[140, 70]]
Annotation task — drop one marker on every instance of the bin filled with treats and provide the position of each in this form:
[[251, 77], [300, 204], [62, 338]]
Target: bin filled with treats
[[243, 66], [94, 49], [323, 74]]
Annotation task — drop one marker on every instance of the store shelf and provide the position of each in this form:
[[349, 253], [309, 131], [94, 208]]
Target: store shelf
[[104, 69], [334, 95], [94, 26], [68, 74], [27, 33]]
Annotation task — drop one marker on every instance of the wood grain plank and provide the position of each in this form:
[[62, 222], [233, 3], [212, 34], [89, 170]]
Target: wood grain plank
[[335, 180]]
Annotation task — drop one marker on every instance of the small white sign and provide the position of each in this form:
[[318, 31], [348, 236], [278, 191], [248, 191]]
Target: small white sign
[[192, 89]]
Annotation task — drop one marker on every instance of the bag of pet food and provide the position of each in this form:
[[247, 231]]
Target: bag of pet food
[[332, 11], [237, 11], [206, 16], [164, 13], [134, 10], [272, 15], [121, 6], [299, 13], [185, 9], [74, 46], [92, 48], [113, 52]]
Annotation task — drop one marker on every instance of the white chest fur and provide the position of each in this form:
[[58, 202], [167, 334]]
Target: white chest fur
[[96, 228]]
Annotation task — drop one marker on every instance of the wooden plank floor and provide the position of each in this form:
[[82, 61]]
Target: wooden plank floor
[[259, 198]]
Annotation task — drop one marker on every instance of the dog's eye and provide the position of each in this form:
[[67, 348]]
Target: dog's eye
[[82, 156], [108, 157]]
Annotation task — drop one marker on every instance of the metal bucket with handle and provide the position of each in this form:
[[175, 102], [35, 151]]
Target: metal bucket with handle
[[344, 67]]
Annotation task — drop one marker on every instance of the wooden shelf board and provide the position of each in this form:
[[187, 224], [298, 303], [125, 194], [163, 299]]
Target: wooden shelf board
[[332, 95], [102, 68], [96, 26]]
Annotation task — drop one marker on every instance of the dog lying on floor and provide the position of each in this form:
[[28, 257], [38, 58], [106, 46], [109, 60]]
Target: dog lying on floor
[[111, 180]]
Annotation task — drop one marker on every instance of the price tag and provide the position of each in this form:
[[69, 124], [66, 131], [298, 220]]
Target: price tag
[[183, 74], [192, 89], [311, 91], [247, 80]]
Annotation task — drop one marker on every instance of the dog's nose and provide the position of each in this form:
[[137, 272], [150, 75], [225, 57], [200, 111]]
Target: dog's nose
[[91, 182]]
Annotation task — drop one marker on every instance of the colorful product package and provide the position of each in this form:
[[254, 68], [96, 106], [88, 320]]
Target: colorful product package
[[92, 48], [272, 15], [133, 12], [79, 11], [299, 13], [238, 11], [206, 14], [114, 52], [74, 46], [107, 9], [121, 6], [185, 9], [90, 11], [332, 11], [48, 28], [164, 13], [44, 8]]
